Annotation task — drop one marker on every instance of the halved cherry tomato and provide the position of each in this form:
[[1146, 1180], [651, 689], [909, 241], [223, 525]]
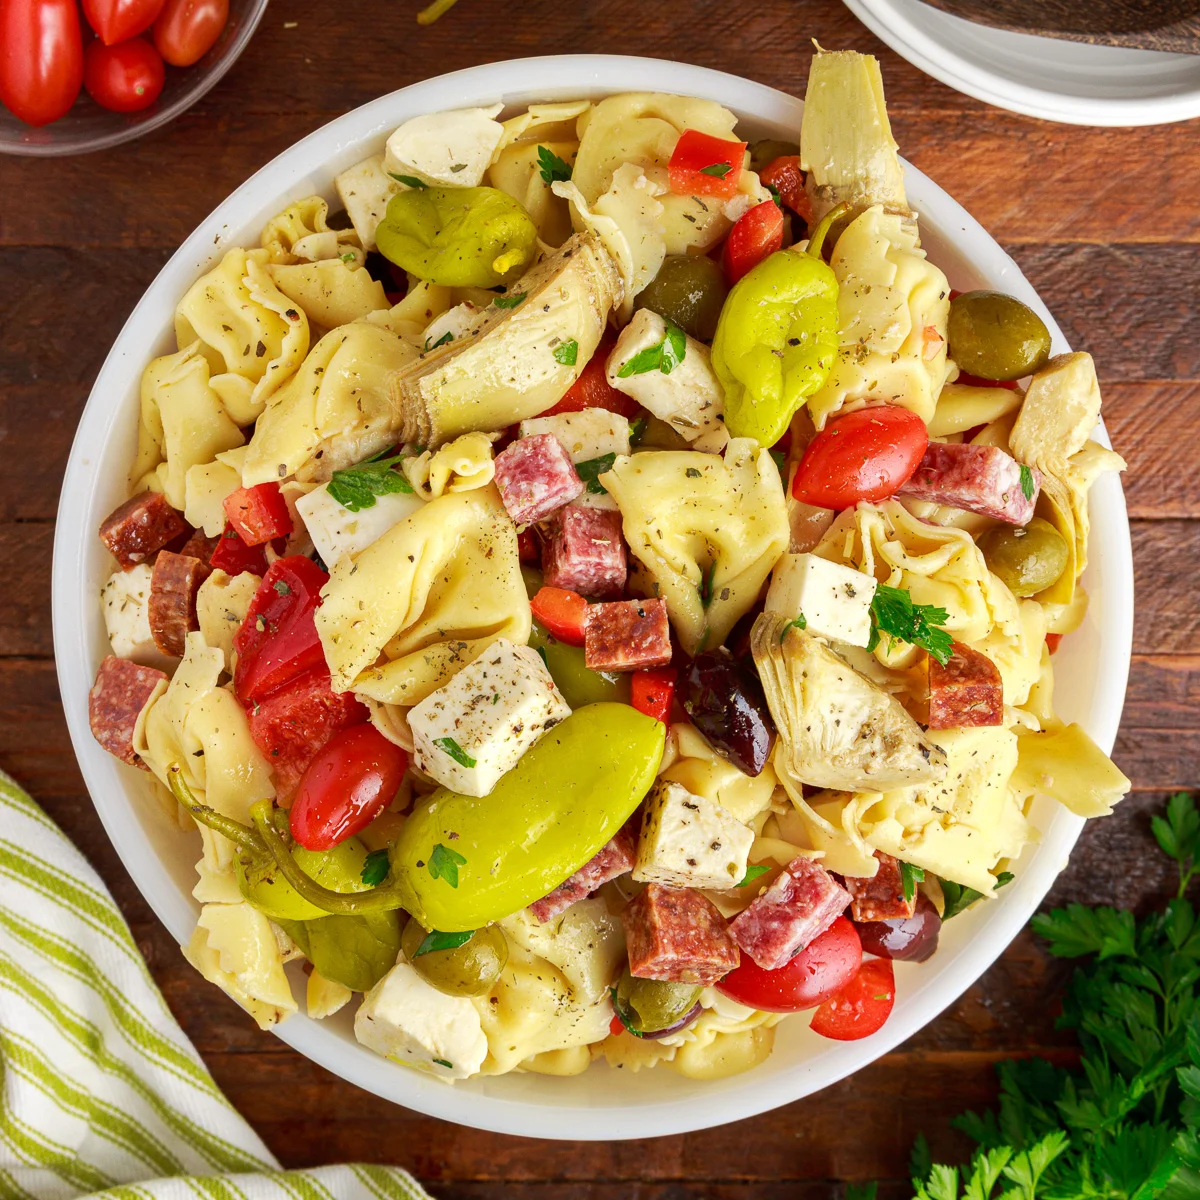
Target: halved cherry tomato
[[756, 235], [592, 389], [561, 612], [350, 782], [233, 556], [116, 20], [785, 176], [822, 969], [703, 165], [41, 58], [123, 78], [278, 639], [862, 1006], [186, 30], [652, 692], [258, 513], [864, 455], [1052, 641]]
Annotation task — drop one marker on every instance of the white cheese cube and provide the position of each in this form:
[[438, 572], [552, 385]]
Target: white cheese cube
[[459, 322], [689, 398], [449, 149], [690, 841], [335, 530], [365, 189], [587, 435], [125, 599], [409, 1021], [834, 600], [475, 728]]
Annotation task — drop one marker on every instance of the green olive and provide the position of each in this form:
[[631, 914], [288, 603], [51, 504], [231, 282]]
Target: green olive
[[467, 970], [1029, 560], [765, 152], [689, 289], [994, 336], [579, 685], [339, 869], [649, 1005]]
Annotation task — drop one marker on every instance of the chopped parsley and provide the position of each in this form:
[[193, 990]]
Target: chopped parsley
[[664, 357], [282, 588], [456, 752], [553, 169], [509, 301], [592, 468], [910, 876], [637, 430], [1027, 484], [692, 473], [444, 1062], [752, 873], [408, 180], [567, 353], [958, 897], [444, 340], [800, 622], [356, 487], [706, 584], [435, 939], [375, 868], [717, 170], [779, 459], [444, 864], [894, 614]]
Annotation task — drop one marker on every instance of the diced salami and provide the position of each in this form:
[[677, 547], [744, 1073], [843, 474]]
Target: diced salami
[[117, 697], [536, 477], [967, 691], [172, 609], [615, 858], [584, 553], [801, 904], [626, 635], [200, 546], [677, 934], [882, 897], [143, 524], [979, 479]]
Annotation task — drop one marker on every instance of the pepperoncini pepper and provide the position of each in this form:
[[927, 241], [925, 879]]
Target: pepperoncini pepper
[[578, 683], [777, 338], [458, 237]]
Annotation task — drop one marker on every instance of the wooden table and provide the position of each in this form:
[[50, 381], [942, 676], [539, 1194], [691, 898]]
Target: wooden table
[[1105, 223]]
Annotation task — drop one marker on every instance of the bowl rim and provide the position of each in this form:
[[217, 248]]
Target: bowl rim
[[510, 1104]]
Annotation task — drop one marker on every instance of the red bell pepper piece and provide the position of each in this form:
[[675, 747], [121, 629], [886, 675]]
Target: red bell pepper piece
[[703, 165], [592, 389], [233, 556], [756, 235], [785, 176], [528, 549], [561, 612], [652, 692], [1053, 640], [259, 513]]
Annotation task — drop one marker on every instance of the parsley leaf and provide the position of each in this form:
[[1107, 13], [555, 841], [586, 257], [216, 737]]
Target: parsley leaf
[[444, 340], [436, 940], [1075, 931], [1027, 483], [1178, 836], [717, 170], [456, 752], [509, 301], [706, 584], [444, 864], [444, 1062], [958, 897], [592, 468], [910, 877], [567, 353], [637, 430], [752, 873], [664, 357], [409, 180], [893, 613], [282, 588], [375, 868], [553, 169], [800, 622], [356, 487]]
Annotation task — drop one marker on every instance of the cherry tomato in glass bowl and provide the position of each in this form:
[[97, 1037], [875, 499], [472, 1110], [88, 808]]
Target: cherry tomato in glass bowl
[[186, 30], [822, 969], [123, 78], [349, 783], [868, 454], [41, 58], [116, 20], [861, 1007]]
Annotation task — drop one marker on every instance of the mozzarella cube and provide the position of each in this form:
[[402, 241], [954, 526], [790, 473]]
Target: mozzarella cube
[[365, 189], [474, 729], [335, 530], [125, 599], [450, 149], [834, 600], [409, 1021], [690, 841], [459, 322], [587, 435], [689, 398]]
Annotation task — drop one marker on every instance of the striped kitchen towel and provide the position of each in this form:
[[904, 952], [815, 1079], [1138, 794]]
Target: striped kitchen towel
[[103, 1095]]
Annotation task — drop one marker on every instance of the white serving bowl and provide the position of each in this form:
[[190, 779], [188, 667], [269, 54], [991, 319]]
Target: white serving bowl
[[603, 1103]]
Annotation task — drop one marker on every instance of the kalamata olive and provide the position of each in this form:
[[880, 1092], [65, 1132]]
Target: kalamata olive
[[469, 969], [689, 289], [725, 701], [994, 336], [908, 939], [1029, 559], [653, 1007], [766, 151]]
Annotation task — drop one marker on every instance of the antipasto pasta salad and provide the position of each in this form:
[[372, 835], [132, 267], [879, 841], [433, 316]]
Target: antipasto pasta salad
[[594, 589]]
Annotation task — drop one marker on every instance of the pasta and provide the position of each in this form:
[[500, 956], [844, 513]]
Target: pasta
[[459, 466]]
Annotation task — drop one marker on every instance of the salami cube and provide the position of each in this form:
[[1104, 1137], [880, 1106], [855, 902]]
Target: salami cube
[[979, 479], [615, 858], [172, 610], [880, 898], [536, 477], [584, 553], [122, 689], [143, 524], [800, 905], [626, 635], [677, 935], [966, 692], [200, 546]]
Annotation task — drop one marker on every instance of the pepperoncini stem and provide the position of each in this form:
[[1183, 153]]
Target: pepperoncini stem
[[816, 243], [235, 831], [381, 899]]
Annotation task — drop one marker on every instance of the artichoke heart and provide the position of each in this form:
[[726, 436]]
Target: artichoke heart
[[520, 360], [837, 728]]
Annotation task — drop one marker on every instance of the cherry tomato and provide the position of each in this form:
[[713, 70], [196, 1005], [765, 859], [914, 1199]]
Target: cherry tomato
[[116, 20], [703, 165], [756, 235], [260, 513], [861, 1007], [125, 78], [561, 612], [349, 783], [822, 969], [865, 455], [592, 389], [186, 30], [652, 692], [41, 58], [785, 176]]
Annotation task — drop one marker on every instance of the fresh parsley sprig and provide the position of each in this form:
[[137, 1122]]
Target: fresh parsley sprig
[[664, 356], [357, 487], [552, 168], [894, 615], [591, 469], [444, 864]]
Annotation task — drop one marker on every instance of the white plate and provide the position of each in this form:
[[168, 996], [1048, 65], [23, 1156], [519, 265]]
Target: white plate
[[1051, 78], [602, 1104]]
